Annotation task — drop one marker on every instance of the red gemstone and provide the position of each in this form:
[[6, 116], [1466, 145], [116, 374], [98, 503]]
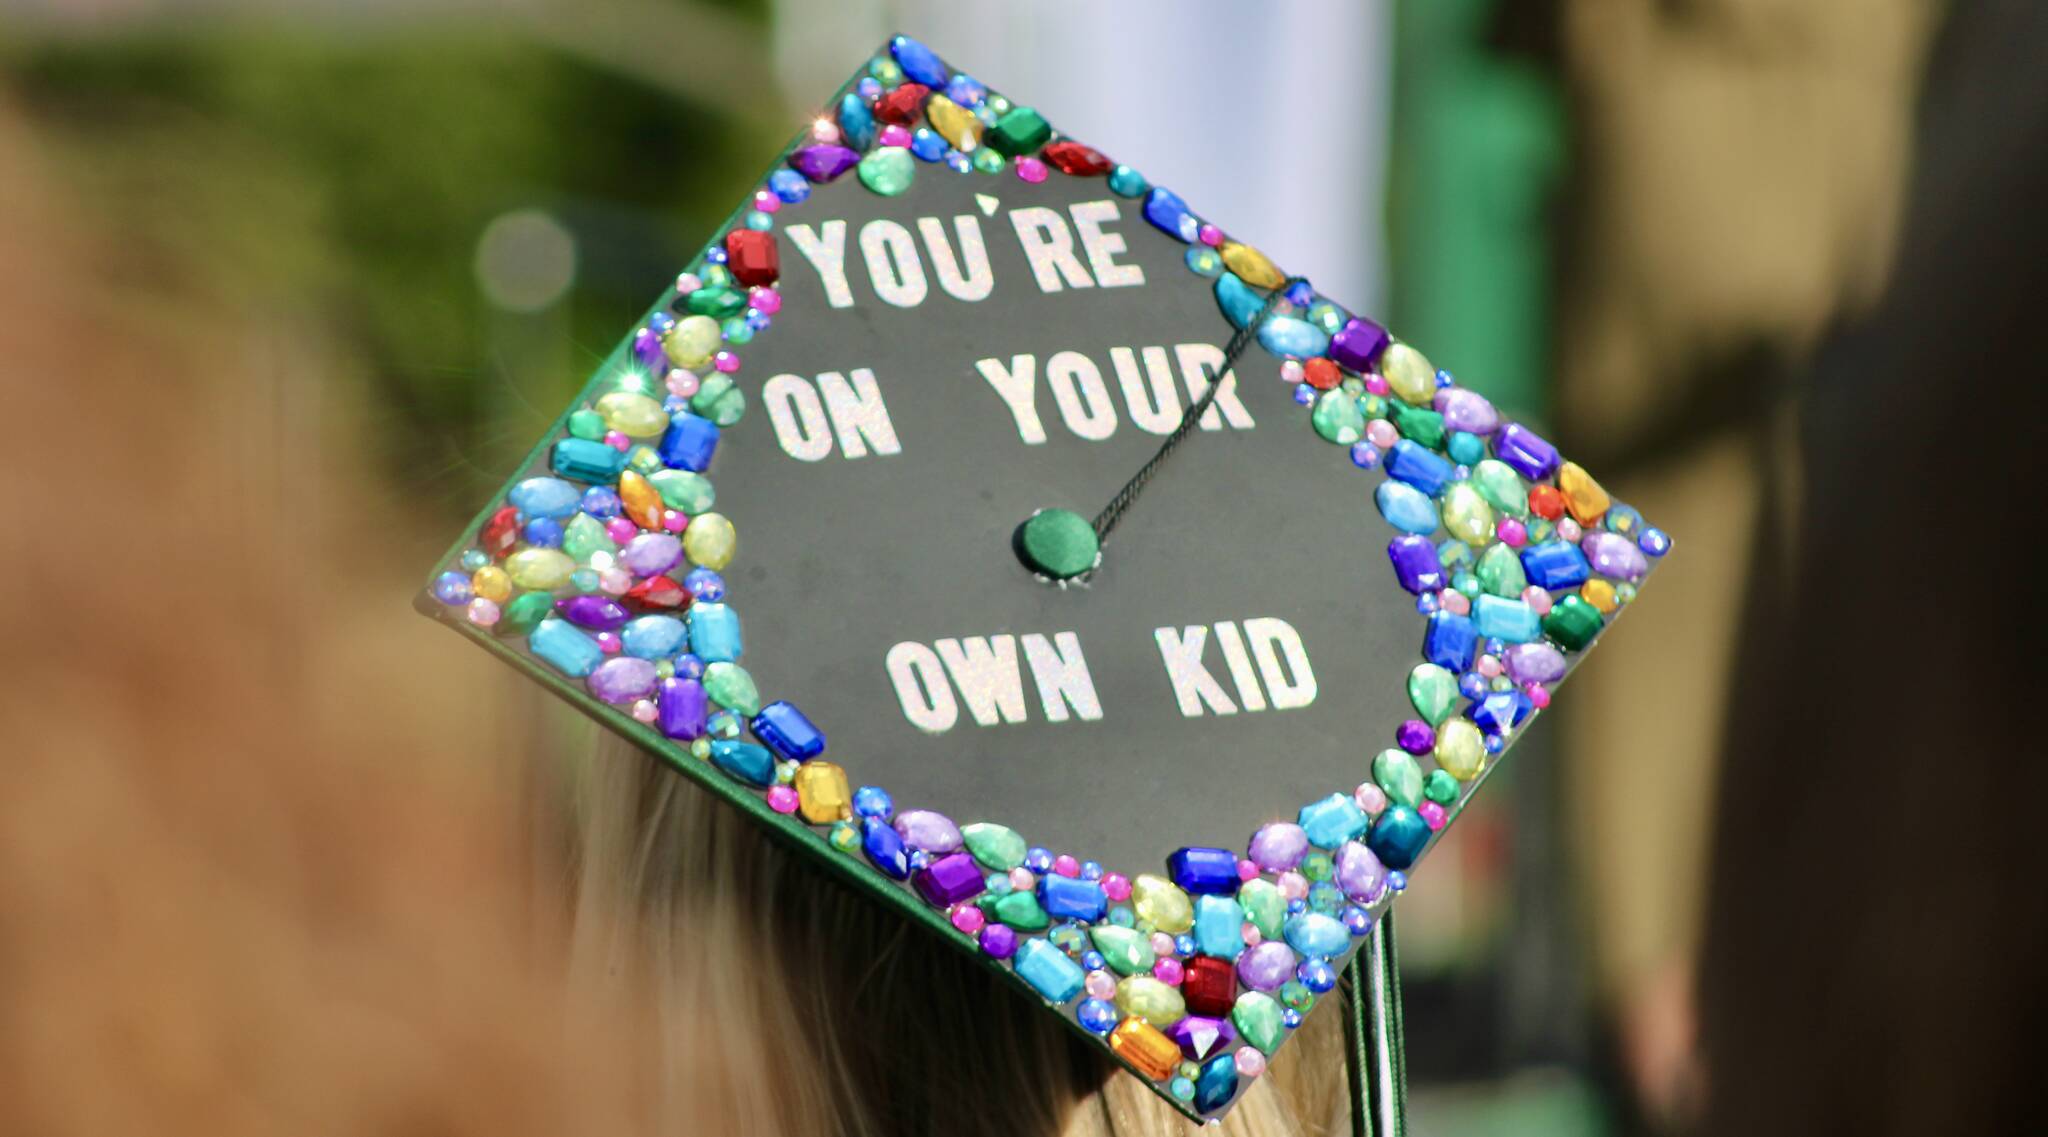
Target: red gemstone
[[1320, 373], [659, 592], [500, 534], [902, 105], [1209, 985], [751, 257], [1076, 159], [1546, 502]]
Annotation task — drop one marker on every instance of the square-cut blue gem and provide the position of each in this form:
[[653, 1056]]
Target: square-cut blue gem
[[1071, 898], [1452, 641], [689, 443], [1199, 870], [789, 732]]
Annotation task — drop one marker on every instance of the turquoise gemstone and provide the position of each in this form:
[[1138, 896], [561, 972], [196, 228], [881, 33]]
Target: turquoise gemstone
[[1466, 448], [715, 633], [1240, 303], [653, 637], [1048, 970], [545, 497], [1406, 508], [1204, 261], [1219, 927], [1398, 837], [1314, 934], [746, 761], [1217, 1084], [1497, 617], [1126, 182], [588, 461], [1290, 335], [570, 651], [1332, 821], [857, 121]]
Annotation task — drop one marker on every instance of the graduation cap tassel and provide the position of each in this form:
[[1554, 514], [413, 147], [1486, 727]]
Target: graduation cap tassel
[[1374, 1043]]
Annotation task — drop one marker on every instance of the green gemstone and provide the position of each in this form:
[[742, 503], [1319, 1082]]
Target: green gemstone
[[1021, 911], [737, 330], [587, 424], [886, 71], [731, 687], [1500, 572], [1296, 996], [845, 837], [1337, 417], [719, 399], [1317, 866], [1440, 787], [1426, 427], [1502, 488], [1327, 316], [683, 491], [1573, 623], [1022, 131], [717, 303], [1397, 774], [1260, 1020], [1434, 691], [1127, 950], [1058, 543], [583, 536], [715, 276], [1263, 906], [524, 613], [645, 460], [987, 161], [1141, 996], [997, 848], [887, 170]]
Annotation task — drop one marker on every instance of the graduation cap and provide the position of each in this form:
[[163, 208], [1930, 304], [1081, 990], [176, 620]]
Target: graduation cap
[[980, 516]]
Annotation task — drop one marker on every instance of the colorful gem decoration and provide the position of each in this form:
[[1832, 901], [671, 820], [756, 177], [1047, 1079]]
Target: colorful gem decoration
[[607, 566]]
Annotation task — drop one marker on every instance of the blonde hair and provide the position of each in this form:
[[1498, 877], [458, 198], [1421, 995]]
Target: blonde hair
[[781, 1002]]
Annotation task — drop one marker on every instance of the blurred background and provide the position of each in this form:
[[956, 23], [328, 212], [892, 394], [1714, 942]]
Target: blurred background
[[285, 289]]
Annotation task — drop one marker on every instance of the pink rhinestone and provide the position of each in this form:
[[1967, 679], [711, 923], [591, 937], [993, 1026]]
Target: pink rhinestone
[[766, 201], [1538, 694], [1381, 433], [608, 642], [1116, 886], [682, 384], [1293, 885], [766, 301], [1209, 235], [1066, 866], [1100, 985], [1291, 372], [644, 710], [483, 612], [1162, 944], [1433, 814], [1370, 798], [1169, 971], [614, 581], [782, 799], [1455, 601], [824, 131], [689, 282], [894, 135], [1031, 170], [1489, 666], [618, 441], [968, 918], [1537, 599], [1376, 384], [621, 529], [1247, 870], [1251, 934], [674, 522], [1250, 1062], [1568, 531], [1511, 532], [726, 362], [1022, 880]]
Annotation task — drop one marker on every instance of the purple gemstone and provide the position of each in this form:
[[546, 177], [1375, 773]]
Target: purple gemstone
[[647, 352], [651, 553], [1415, 563], [1526, 451], [682, 709], [999, 941], [623, 679], [1534, 663], [1278, 847], [1466, 410], [1358, 344], [928, 831], [1199, 1036], [1415, 737], [598, 613], [948, 880], [823, 163], [1360, 874], [1614, 555], [1265, 966]]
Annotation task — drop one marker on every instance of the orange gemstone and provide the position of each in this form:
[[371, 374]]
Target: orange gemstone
[[1145, 1047], [642, 500], [1546, 502], [1585, 497], [1320, 373]]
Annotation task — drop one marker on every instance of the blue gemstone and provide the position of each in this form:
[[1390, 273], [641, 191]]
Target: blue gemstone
[[966, 90], [1451, 642], [715, 633], [1300, 294], [918, 62], [1198, 869], [1217, 1084], [856, 121], [1096, 1015], [601, 502], [1287, 335], [587, 460], [1415, 564], [1332, 821], [1127, 182], [789, 732], [1472, 685], [545, 497], [1406, 508], [1048, 970], [704, 585], [1071, 898], [1511, 621], [872, 801], [1500, 711], [689, 443], [569, 650], [1411, 462], [1317, 975], [1466, 448], [1219, 927], [1654, 542], [745, 761], [653, 637], [545, 532], [1555, 564], [1314, 934], [789, 185], [1165, 210], [1398, 837], [452, 587], [879, 841], [1038, 859], [927, 144]]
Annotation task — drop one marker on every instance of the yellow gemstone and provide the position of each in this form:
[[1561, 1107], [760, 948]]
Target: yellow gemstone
[[1145, 1047], [1160, 902], [710, 541], [633, 414], [822, 795], [1599, 594], [954, 123], [1467, 515], [642, 501], [1582, 495], [491, 583], [1460, 749], [692, 341], [1251, 266], [1141, 996], [540, 568], [1409, 374]]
